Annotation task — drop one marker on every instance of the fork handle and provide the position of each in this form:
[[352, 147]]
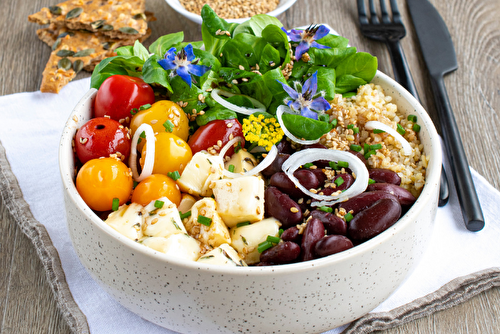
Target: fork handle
[[401, 69]]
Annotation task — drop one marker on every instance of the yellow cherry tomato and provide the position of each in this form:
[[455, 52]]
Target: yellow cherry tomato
[[154, 187], [99, 181], [162, 112], [171, 154]]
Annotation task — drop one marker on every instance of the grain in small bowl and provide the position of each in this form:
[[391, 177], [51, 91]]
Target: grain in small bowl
[[233, 11]]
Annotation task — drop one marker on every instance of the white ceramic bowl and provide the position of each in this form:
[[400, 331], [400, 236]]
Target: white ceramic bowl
[[176, 5], [314, 296]]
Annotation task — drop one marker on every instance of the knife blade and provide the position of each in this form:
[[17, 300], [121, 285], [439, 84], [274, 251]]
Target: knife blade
[[440, 58]]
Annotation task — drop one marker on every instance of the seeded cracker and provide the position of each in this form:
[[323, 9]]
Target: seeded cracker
[[124, 19], [75, 51]]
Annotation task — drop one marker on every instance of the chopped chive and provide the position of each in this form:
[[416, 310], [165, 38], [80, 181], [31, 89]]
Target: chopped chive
[[369, 153], [325, 209], [366, 147], [185, 215], [334, 123], [141, 136], [116, 204], [231, 168], [273, 239], [348, 217], [350, 126], [375, 147], [238, 147], [242, 224], [159, 204], [145, 106], [244, 240], [378, 131], [338, 181], [175, 224], [174, 175], [371, 181], [280, 232], [204, 220], [153, 212], [264, 245], [416, 127], [343, 164], [412, 118], [135, 184], [333, 165], [308, 165], [400, 129], [355, 130], [356, 148], [134, 111], [169, 126]]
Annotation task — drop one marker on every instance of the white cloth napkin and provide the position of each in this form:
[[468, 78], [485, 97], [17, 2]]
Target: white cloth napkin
[[30, 128]]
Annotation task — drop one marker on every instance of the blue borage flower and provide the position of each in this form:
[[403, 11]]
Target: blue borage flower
[[182, 64], [307, 99], [307, 38]]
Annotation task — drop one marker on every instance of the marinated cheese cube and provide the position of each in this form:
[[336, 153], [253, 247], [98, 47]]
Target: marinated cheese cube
[[213, 235], [181, 246], [127, 220], [224, 255]]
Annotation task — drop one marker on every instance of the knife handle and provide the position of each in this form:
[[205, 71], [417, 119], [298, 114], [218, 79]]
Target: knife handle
[[401, 69], [466, 191]]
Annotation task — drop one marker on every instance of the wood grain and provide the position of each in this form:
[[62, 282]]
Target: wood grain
[[26, 301]]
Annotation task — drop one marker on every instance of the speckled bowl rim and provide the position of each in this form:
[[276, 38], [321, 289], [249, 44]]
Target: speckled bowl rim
[[175, 5], [431, 186]]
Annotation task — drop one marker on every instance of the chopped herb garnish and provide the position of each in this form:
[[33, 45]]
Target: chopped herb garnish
[[135, 184], [343, 164], [369, 153], [264, 245], [116, 204], [416, 127], [325, 209], [238, 147], [185, 215], [244, 240], [174, 175], [169, 126], [273, 239], [348, 217], [378, 131], [350, 126], [333, 165], [334, 123], [141, 136], [371, 181], [159, 204], [153, 212], [339, 181], [375, 147], [356, 148], [400, 129], [231, 168], [242, 224], [210, 162], [308, 165], [280, 232], [204, 220], [175, 224], [412, 118], [355, 130]]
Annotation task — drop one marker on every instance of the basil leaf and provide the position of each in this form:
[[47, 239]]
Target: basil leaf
[[214, 114], [153, 73], [279, 40], [270, 56], [306, 128], [243, 28], [234, 54], [329, 57], [125, 50], [182, 92], [258, 23], [127, 65], [254, 87], [362, 65], [334, 41], [164, 43], [300, 69], [326, 80], [140, 51], [347, 83]]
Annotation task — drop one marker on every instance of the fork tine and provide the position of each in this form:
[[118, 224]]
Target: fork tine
[[373, 13], [385, 16], [363, 19], [396, 17]]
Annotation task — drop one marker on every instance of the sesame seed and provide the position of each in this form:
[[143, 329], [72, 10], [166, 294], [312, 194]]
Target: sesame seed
[[83, 140], [294, 209], [229, 125], [241, 67], [154, 121], [235, 81]]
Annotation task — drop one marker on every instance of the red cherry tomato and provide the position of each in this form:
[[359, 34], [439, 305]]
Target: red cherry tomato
[[215, 135], [101, 137], [119, 94]]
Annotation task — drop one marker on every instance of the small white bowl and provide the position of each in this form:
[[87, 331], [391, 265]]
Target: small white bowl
[[305, 297], [176, 5]]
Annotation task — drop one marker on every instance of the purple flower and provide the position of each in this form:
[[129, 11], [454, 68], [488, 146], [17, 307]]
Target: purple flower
[[307, 100], [182, 64], [307, 38]]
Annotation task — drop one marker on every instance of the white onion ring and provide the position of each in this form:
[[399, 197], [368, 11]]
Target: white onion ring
[[228, 145], [149, 160], [216, 93], [314, 154], [371, 125], [279, 112]]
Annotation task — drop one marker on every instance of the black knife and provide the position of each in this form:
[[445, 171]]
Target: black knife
[[440, 59]]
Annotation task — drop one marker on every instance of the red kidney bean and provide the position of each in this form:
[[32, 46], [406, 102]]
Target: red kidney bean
[[332, 244], [275, 166], [404, 196], [316, 145], [314, 231], [332, 223], [282, 207], [291, 234], [285, 252], [320, 175], [381, 175], [281, 181], [306, 178], [374, 220], [364, 201], [285, 146], [360, 156]]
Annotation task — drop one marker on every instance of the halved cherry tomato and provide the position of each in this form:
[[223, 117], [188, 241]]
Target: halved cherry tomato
[[154, 187], [171, 154], [216, 134], [99, 181], [119, 94]]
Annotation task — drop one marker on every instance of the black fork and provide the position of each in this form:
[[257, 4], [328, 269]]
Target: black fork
[[391, 32]]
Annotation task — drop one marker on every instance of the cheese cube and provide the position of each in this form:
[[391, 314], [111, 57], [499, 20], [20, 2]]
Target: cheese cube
[[246, 239]]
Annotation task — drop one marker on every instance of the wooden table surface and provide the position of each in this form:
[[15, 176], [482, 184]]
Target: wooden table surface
[[26, 301]]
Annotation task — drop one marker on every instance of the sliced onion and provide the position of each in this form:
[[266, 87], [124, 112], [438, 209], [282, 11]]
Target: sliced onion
[[216, 95], [279, 113], [149, 160], [257, 169], [371, 125], [314, 154]]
